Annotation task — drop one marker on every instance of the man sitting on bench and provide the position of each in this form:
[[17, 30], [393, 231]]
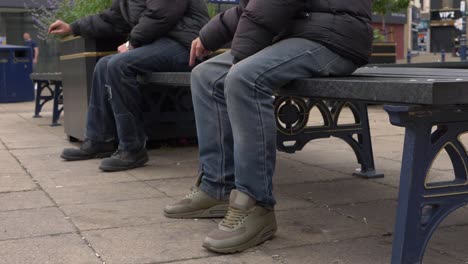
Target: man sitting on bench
[[273, 43], [159, 37]]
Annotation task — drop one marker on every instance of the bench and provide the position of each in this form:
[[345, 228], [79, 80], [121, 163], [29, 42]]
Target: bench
[[51, 82], [432, 105]]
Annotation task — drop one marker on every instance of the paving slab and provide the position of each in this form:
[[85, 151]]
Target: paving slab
[[173, 187], [174, 155], [69, 249], [451, 241], [14, 182], [152, 243], [118, 214], [71, 178], [102, 193], [153, 171], [307, 226], [382, 214], [33, 222], [287, 202], [24, 200], [339, 192], [290, 171], [242, 258], [9, 164], [355, 251], [31, 140]]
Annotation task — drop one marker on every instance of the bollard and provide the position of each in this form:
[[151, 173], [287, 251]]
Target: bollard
[[442, 55], [408, 56]]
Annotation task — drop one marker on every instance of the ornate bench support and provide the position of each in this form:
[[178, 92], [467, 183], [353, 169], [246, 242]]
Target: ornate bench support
[[55, 94], [41, 100], [294, 132], [58, 103], [422, 206]]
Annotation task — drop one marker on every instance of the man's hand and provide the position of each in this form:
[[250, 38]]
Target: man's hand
[[197, 51], [60, 28], [122, 48], [35, 60]]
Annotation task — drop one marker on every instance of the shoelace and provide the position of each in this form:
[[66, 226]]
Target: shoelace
[[193, 191], [233, 218], [117, 153]]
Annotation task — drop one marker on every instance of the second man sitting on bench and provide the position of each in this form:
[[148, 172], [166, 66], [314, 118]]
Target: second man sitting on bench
[[159, 38]]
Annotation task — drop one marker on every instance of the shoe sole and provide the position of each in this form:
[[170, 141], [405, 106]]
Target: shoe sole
[[97, 156], [267, 233], [218, 211], [138, 163]]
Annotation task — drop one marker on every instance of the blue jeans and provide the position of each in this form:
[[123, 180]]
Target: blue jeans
[[235, 116], [115, 103]]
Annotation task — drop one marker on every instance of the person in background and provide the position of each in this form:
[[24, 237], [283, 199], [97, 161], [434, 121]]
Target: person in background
[[273, 43], [33, 45], [159, 38]]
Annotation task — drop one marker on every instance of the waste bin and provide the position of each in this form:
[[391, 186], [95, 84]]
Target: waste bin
[[15, 69]]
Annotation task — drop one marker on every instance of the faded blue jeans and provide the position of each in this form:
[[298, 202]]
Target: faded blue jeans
[[235, 116], [115, 103]]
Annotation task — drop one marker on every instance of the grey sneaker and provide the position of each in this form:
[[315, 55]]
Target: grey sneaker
[[244, 226], [197, 204]]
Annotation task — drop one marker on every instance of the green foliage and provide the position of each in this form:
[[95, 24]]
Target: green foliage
[[71, 10], [382, 7], [378, 36], [66, 10], [212, 9]]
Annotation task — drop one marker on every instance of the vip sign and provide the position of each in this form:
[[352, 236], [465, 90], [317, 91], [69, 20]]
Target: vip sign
[[447, 15]]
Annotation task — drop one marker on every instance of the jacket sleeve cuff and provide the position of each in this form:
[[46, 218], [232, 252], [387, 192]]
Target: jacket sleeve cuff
[[75, 27], [133, 43]]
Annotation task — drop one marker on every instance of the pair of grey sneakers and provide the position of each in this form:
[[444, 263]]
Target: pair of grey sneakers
[[245, 223]]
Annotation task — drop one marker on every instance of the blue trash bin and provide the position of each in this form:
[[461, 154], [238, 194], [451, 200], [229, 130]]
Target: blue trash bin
[[15, 71]]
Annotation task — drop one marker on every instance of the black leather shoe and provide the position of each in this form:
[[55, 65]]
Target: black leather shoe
[[89, 150], [125, 160]]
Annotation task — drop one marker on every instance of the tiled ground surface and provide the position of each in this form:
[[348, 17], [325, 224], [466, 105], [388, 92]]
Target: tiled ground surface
[[53, 211]]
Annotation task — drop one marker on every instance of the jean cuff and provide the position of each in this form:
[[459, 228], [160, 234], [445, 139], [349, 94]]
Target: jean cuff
[[213, 192]]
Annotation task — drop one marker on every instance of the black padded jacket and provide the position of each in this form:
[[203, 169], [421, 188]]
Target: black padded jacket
[[342, 26], [144, 21]]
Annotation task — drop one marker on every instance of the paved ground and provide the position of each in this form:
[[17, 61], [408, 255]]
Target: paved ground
[[430, 57], [53, 211]]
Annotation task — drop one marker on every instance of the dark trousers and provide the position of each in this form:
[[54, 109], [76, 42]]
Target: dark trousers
[[115, 104]]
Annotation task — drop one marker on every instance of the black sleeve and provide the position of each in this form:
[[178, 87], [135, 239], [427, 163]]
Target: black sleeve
[[108, 23], [220, 30], [159, 17], [260, 22]]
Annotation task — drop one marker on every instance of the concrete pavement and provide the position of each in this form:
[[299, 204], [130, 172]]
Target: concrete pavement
[[53, 211]]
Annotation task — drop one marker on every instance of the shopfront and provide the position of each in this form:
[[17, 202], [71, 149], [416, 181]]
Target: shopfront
[[444, 34]]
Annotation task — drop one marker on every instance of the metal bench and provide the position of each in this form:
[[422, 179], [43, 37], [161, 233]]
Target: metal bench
[[51, 82], [432, 104]]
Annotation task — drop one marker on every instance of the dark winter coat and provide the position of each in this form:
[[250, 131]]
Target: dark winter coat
[[341, 25], [144, 21]]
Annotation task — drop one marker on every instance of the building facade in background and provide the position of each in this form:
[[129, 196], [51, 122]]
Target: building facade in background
[[445, 25], [395, 27]]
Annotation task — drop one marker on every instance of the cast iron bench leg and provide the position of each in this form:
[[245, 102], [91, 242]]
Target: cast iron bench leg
[[292, 116], [56, 110], [364, 153], [422, 205], [41, 100], [38, 106]]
